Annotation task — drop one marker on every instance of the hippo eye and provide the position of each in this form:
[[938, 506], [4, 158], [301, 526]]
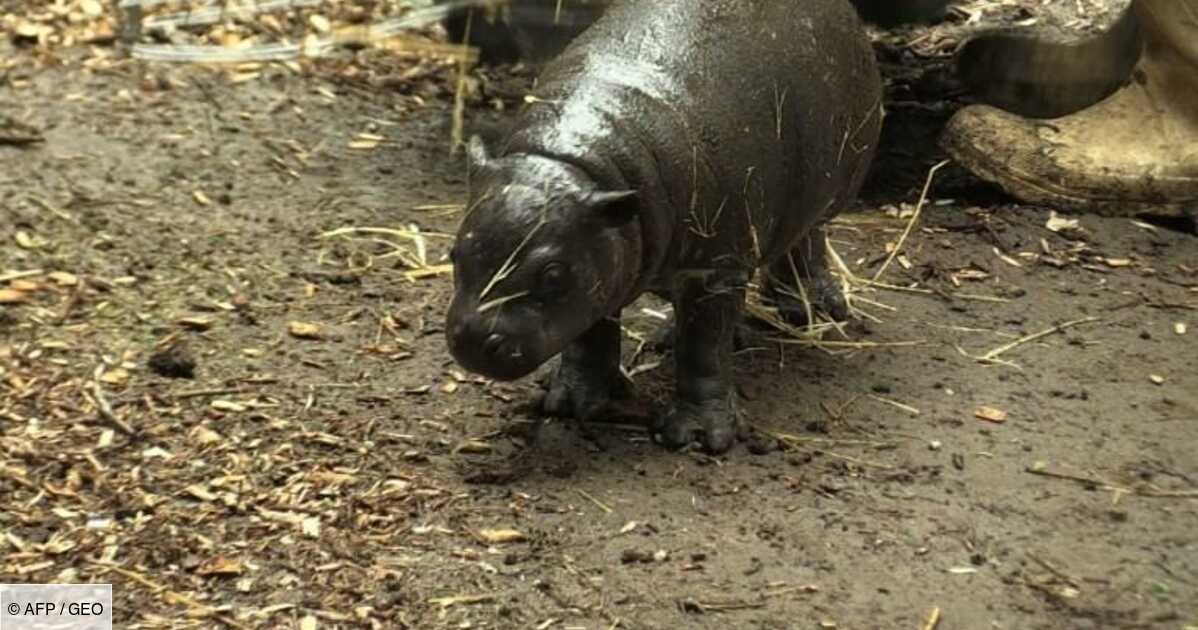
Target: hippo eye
[[555, 280]]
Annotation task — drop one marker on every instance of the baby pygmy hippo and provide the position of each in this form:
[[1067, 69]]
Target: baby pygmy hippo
[[673, 148]]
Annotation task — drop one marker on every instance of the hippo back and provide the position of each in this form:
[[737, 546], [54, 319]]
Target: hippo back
[[742, 123]]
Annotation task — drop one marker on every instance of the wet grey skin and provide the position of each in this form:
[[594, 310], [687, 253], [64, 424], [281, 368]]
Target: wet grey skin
[[673, 148], [535, 31]]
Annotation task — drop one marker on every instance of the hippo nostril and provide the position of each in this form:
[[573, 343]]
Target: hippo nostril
[[493, 345]]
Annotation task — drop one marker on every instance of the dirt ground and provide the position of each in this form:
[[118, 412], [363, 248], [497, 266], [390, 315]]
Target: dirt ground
[[326, 464]]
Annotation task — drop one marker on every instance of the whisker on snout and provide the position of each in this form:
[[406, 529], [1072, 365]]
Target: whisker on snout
[[500, 301]]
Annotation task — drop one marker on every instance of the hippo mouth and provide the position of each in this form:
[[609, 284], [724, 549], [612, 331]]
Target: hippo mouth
[[497, 358], [497, 355]]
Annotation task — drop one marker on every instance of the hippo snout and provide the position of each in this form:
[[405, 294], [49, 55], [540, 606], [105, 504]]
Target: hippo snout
[[500, 350], [476, 346]]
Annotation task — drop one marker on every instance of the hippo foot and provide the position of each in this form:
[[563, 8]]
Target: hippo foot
[[824, 296], [586, 396], [716, 425]]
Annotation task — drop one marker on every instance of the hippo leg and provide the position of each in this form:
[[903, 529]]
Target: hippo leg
[[800, 284], [708, 307], [588, 380], [662, 339]]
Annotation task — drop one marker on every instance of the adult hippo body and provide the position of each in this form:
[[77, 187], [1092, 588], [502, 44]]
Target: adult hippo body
[[673, 147]]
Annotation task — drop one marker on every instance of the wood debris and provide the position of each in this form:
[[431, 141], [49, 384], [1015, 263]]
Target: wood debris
[[991, 414], [501, 536], [304, 330]]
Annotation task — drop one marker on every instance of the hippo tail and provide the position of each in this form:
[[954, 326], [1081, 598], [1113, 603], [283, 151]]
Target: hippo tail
[[1037, 78]]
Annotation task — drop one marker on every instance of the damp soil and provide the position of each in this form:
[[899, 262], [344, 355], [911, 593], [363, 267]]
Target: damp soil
[[351, 475]]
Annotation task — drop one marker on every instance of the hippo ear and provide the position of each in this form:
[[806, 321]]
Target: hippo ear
[[476, 153], [613, 207]]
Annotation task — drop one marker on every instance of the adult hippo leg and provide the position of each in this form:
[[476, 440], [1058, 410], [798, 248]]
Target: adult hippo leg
[[707, 307], [800, 284], [890, 13], [588, 379]]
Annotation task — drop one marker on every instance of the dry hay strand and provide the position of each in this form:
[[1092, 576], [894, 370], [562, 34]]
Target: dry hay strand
[[814, 331], [509, 264], [813, 335], [923, 199], [1143, 489], [458, 116], [933, 619], [991, 357], [415, 256], [853, 286], [756, 307]]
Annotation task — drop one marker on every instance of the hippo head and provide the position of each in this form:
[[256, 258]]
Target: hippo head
[[542, 255]]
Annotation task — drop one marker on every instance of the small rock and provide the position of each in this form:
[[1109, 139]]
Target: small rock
[[761, 445], [633, 556], [196, 323], [173, 362]]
